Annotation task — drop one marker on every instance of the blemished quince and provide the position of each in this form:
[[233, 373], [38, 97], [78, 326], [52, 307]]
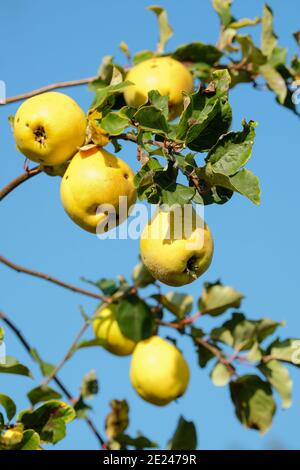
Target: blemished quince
[[106, 328], [159, 373], [164, 74], [97, 178], [176, 246], [49, 128]]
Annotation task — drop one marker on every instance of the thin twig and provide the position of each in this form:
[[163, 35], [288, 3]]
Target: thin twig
[[201, 341], [68, 354], [52, 86], [47, 277], [175, 325], [192, 319], [58, 382], [217, 353], [133, 138], [19, 180]]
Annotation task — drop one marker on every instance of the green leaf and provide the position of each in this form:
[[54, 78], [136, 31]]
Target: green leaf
[[105, 97], [251, 54], [266, 327], [175, 302], [278, 376], [54, 431], [216, 195], [30, 441], [141, 56], [204, 355], [182, 303], [153, 179], [232, 151], [223, 8], [247, 184], [268, 37], [45, 368], [105, 69], [140, 442], [274, 81], [278, 58], [207, 114], [81, 408], [13, 366], [42, 393], [9, 405], [141, 276], [184, 437], [115, 122], [165, 30], [241, 333], [150, 118], [48, 420], [216, 298], [105, 73], [253, 401], [255, 353], [135, 318], [285, 351], [2, 334], [245, 22], [178, 194], [159, 101], [221, 375], [197, 52], [89, 385], [107, 286]]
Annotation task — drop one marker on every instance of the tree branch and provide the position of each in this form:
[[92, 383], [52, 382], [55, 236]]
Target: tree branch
[[53, 86], [46, 277], [19, 180], [68, 354], [58, 382]]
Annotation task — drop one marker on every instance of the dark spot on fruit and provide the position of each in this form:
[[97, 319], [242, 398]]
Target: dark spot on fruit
[[18, 120], [40, 135], [126, 176], [27, 125], [67, 177]]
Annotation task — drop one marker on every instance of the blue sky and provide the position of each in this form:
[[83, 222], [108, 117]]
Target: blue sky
[[256, 249]]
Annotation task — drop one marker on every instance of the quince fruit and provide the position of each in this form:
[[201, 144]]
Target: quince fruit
[[49, 128]]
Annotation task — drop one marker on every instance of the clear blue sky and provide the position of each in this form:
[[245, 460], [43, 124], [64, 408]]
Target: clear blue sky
[[256, 249]]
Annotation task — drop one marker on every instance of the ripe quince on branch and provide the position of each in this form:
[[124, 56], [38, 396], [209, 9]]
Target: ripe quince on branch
[[164, 74], [49, 128]]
